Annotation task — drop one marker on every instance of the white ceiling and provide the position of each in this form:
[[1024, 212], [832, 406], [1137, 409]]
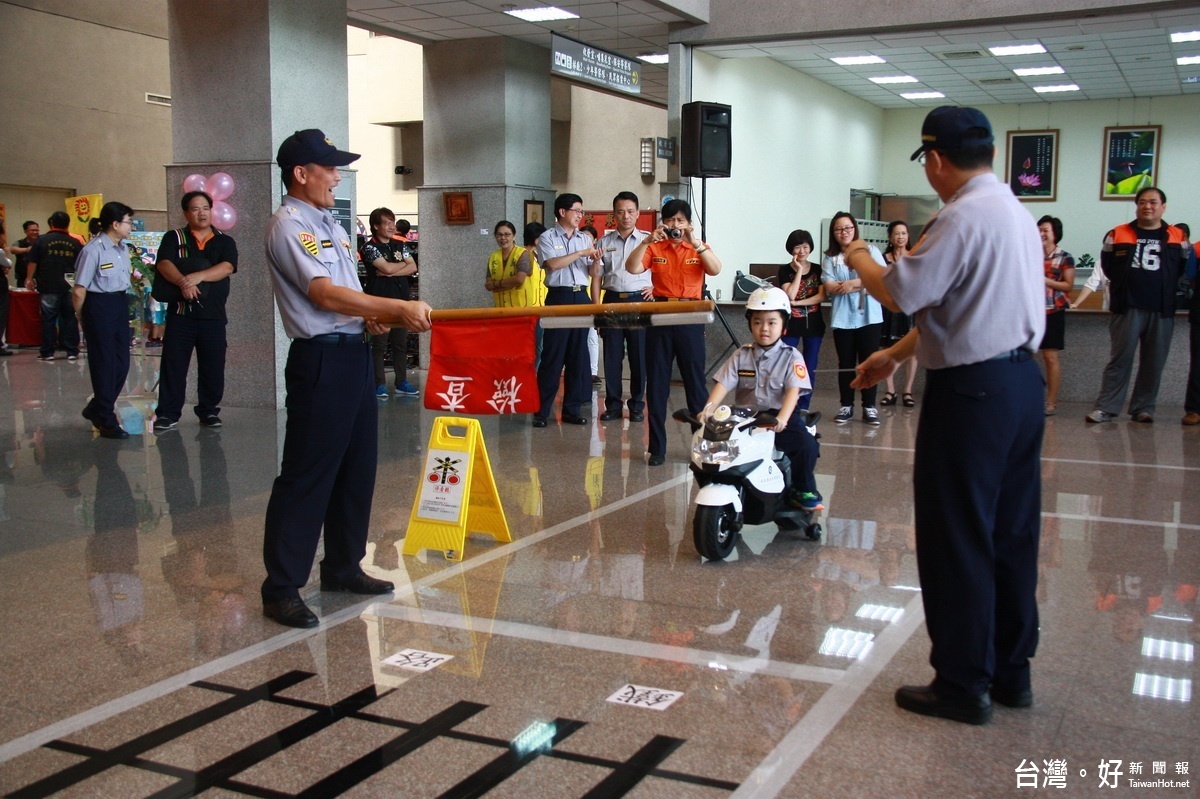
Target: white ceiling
[[1109, 57]]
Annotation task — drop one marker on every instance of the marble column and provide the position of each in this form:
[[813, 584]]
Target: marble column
[[487, 132], [244, 76]]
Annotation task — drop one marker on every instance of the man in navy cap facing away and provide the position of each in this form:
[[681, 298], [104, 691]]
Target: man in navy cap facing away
[[974, 283], [327, 477]]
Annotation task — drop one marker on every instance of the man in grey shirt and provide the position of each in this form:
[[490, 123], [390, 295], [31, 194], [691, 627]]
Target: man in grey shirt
[[974, 284]]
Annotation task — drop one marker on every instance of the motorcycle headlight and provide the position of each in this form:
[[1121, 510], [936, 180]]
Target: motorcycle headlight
[[706, 451]]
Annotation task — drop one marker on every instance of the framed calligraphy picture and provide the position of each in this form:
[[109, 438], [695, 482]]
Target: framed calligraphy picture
[[1130, 160], [458, 208], [1033, 164], [535, 211]]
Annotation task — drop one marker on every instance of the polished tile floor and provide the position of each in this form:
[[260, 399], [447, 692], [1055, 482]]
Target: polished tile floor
[[135, 662]]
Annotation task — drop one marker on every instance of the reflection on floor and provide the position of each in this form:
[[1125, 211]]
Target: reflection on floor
[[595, 654]]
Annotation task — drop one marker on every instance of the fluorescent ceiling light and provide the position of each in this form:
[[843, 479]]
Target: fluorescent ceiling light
[[654, 58], [857, 60], [1185, 36], [1063, 87], [921, 95], [1187, 60], [542, 14], [842, 643], [1017, 49], [1029, 72], [895, 79], [874, 612]]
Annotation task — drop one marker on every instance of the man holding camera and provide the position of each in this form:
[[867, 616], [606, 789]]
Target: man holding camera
[[678, 262]]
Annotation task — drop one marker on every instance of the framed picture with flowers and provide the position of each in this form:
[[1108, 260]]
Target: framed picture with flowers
[[1033, 164], [1130, 160]]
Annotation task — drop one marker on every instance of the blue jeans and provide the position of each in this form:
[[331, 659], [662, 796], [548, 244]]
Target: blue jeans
[[58, 323]]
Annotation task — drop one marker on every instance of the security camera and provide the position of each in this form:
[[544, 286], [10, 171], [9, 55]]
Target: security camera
[[403, 170]]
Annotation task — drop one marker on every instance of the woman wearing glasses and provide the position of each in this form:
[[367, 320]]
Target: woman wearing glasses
[[857, 317], [513, 274], [101, 280]]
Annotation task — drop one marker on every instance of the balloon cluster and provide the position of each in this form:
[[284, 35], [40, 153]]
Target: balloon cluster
[[220, 187]]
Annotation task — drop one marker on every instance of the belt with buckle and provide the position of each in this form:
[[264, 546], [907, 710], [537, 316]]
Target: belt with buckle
[[675, 299], [337, 339], [568, 288], [622, 295]]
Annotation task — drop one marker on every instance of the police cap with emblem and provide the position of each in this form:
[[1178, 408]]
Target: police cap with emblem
[[951, 127], [311, 147]]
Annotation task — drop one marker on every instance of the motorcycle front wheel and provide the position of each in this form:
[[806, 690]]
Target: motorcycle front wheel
[[715, 531]]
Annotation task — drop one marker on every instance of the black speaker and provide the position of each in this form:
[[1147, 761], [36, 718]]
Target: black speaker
[[705, 146]]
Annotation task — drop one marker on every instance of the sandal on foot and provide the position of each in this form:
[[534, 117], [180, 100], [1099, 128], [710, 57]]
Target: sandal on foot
[[1051, 409], [888, 398], [909, 402]]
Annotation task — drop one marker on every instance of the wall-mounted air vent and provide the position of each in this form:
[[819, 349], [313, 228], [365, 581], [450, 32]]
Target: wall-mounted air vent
[[158, 99]]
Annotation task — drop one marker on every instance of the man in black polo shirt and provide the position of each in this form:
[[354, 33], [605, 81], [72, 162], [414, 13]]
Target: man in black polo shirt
[[50, 260], [389, 265]]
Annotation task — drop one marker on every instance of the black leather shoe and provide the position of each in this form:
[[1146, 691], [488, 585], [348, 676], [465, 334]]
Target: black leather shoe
[[570, 418], [86, 413], [117, 432], [539, 421], [1009, 697], [609, 415], [656, 460], [291, 612], [967, 709], [637, 416], [358, 584]]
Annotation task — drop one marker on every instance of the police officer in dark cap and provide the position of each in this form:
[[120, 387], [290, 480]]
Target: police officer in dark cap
[[327, 477], [975, 286]]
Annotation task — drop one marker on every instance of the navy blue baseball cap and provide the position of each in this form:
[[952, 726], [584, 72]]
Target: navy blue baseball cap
[[947, 126], [312, 147]]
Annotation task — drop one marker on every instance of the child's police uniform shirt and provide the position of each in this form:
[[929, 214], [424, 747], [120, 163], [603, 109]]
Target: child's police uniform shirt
[[758, 376]]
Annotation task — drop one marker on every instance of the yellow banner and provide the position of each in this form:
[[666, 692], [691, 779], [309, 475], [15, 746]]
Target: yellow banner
[[81, 209]]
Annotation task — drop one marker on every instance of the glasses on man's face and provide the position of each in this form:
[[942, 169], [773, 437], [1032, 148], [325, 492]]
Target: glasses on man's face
[[576, 210]]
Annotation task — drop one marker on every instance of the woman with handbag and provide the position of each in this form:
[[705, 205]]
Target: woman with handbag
[[194, 265], [800, 278]]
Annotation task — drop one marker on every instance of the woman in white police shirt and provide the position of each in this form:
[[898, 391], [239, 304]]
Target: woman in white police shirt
[[101, 280]]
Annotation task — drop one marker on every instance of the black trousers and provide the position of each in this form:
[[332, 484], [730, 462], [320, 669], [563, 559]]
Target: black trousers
[[564, 350], [183, 335], [327, 478], [106, 327], [617, 342], [1191, 398], [58, 323], [855, 345], [665, 345], [977, 489]]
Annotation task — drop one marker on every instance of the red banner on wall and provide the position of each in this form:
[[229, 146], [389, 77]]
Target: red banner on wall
[[483, 367]]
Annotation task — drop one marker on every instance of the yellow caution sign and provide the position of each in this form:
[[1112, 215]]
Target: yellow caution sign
[[458, 492]]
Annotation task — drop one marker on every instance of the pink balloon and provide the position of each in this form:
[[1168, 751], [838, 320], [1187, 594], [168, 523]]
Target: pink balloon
[[220, 186], [194, 183], [223, 215]]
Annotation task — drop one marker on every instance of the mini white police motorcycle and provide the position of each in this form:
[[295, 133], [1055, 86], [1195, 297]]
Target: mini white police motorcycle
[[742, 479]]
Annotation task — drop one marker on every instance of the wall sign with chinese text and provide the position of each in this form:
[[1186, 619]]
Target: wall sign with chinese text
[[589, 64]]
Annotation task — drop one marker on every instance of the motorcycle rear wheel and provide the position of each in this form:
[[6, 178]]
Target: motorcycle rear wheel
[[715, 531]]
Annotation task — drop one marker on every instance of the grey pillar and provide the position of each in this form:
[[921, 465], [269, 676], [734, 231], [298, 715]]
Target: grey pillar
[[244, 76], [487, 132]]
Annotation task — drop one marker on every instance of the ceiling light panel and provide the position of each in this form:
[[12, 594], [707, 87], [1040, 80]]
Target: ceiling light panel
[[857, 60], [1016, 49], [544, 14], [1029, 72]]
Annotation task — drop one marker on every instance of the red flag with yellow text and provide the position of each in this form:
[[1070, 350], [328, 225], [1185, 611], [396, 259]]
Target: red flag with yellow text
[[483, 366]]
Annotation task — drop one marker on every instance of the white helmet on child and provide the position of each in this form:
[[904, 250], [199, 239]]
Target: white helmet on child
[[768, 298]]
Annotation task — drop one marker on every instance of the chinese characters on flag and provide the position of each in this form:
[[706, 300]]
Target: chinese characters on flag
[[483, 367]]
